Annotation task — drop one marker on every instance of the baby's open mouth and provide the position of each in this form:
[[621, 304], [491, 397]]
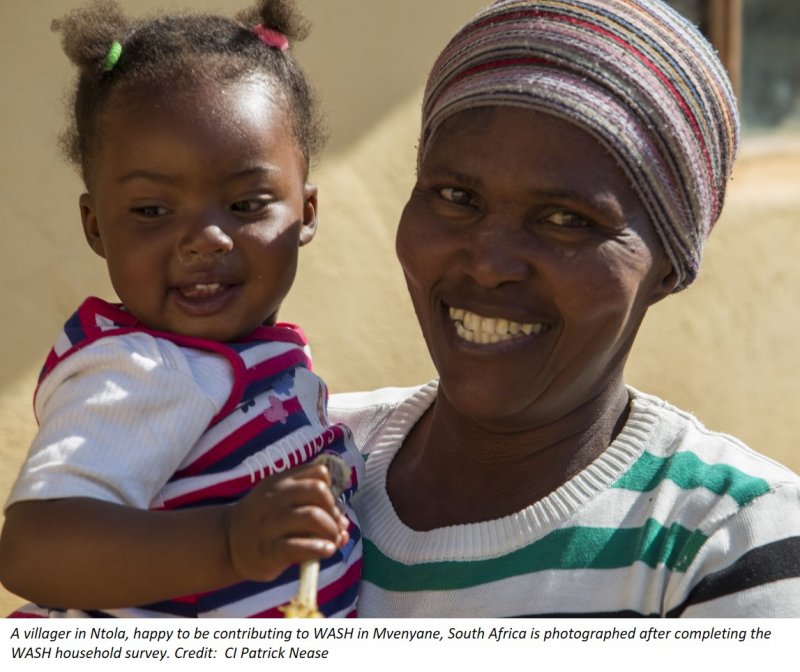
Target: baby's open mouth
[[202, 290]]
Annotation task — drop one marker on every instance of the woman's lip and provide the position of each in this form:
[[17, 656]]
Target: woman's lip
[[201, 299]]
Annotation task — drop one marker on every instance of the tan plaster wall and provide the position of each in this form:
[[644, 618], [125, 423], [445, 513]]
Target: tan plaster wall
[[725, 349]]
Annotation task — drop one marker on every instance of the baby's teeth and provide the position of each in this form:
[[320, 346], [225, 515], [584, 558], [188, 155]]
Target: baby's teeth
[[201, 289]]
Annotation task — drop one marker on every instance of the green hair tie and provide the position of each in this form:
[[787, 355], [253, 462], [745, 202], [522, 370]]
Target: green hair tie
[[114, 52]]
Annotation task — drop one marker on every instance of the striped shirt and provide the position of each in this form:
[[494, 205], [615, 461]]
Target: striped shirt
[[671, 520], [208, 420]]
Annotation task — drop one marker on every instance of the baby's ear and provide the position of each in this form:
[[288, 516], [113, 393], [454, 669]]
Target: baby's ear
[[90, 228], [309, 214]]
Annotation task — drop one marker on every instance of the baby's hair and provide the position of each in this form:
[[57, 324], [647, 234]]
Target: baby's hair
[[178, 48]]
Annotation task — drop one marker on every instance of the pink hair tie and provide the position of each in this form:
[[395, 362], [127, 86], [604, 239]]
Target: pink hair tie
[[272, 38]]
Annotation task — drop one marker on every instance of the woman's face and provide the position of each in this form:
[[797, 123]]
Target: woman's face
[[530, 262]]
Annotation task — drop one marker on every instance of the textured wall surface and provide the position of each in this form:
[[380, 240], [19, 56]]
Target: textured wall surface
[[726, 349]]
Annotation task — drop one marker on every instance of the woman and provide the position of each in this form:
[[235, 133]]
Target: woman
[[573, 159]]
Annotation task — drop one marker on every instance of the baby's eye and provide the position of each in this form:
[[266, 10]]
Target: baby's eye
[[150, 211], [565, 218], [456, 195], [250, 205]]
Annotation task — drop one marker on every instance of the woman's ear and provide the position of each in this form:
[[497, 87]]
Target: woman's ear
[[309, 227], [667, 281], [90, 228]]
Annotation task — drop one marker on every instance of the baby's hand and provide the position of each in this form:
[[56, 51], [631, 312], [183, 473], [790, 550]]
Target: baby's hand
[[286, 519]]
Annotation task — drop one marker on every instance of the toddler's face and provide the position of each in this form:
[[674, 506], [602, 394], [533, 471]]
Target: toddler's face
[[198, 202]]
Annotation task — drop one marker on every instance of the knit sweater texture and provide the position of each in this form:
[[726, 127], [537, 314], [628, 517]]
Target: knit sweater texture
[[671, 520]]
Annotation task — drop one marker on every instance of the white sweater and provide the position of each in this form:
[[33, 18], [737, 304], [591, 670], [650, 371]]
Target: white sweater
[[671, 520]]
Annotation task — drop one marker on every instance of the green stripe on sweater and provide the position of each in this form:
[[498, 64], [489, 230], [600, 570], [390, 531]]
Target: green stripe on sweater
[[687, 471], [570, 548]]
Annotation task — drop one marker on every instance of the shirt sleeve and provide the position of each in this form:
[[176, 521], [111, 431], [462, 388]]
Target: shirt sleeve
[[117, 418], [748, 566]]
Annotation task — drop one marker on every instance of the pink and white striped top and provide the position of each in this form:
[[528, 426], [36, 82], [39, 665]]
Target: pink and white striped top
[[274, 418]]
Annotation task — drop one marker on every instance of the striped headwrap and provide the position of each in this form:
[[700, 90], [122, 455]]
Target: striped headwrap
[[634, 73]]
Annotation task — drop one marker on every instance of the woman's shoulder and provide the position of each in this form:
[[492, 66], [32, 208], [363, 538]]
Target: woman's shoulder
[[368, 413], [388, 397], [679, 436], [733, 512]]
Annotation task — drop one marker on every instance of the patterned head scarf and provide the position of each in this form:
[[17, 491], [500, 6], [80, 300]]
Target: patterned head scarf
[[633, 73]]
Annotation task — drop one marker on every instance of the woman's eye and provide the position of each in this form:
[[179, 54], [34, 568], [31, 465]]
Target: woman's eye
[[250, 205], [456, 195], [564, 218]]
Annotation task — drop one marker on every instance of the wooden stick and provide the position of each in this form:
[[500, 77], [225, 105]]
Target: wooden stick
[[304, 604]]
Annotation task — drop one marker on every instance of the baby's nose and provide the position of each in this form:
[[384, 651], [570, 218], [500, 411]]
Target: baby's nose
[[205, 240]]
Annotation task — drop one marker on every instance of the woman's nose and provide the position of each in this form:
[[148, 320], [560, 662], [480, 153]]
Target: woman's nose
[[495, 255]]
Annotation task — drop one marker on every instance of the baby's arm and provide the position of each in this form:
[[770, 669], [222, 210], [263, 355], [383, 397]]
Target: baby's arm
[[87, 554], [117, 419]]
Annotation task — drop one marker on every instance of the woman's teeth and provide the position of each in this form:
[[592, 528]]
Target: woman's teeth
[[477, 329], [201, 291]]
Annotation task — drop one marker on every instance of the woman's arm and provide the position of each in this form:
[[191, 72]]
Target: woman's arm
[[88, 554], [748, 566]]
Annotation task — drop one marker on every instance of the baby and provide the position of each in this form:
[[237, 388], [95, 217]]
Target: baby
[[173, 470]]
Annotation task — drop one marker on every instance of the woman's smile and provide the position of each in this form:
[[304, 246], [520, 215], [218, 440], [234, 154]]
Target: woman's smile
[[482, 330], [530, 261]]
